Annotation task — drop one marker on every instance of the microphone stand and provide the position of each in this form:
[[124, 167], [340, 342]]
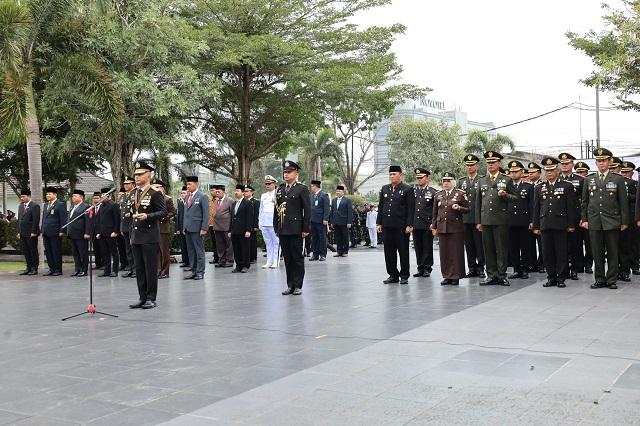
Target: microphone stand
[[91, 308]]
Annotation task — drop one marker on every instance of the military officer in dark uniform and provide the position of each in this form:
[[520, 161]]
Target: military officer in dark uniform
[[422, 218], [79, 233], [536, 262], [629, 238], [605, 214], [582, 169], [555, 199], [492, 211], [253, 250], [520, 225], [472, 237], [28, 231], [449, 206], [291, 223], [107, 220], [54, 217], [125, 223], [576, 256], [147, 209], [395, 221]]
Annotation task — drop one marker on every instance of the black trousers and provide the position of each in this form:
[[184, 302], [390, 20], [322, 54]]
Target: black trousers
[[126, 238], [319, 239], [291, 246], [554, 250], [342, 238], [212, 234], [122, 253], [396, 242], [184, 251], [584, 240], [241, 250], [146, 260], [574, 247], [80, 251], [520, 247], [423, 245], [30, 251], [253, 250], [628, 242], [53, 252], [473, 247], [601, 242], [97, 252], [109, 250]]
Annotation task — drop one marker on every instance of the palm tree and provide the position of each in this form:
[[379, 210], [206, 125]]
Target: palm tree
[[479, 142], [315, 148], [25, 26]]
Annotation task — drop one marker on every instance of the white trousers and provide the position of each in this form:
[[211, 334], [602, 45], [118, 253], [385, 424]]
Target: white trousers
[[373, 236], [271, 241]]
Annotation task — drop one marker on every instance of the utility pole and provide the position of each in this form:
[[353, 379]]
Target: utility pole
[[597, 115]]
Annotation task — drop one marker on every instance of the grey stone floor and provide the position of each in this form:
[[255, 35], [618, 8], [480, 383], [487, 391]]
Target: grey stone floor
[[232, 350]]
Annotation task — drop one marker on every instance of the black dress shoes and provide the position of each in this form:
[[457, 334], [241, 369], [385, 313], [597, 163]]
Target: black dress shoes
[[505, 282], [149, 305], [613, 286], [635, 271], [313, 259], [190, 277], [391, 280], [445, 281], [287, 292], [236, 270], [26, 272], [426, 274], [136, 305], [471, 274], [33, 272], [481, 274], [489, 281], [561, 284], [454, 282], [404, 280], [337, 255], [573, 275], [198, 277], [515, 275], [598, 285], [75, 274], [163, 276], [104, 275], [48, 274], [589, 270], [81, 274], [322, 259], [625, 277], [56, 274], [297, 292], [418, 274], [211, 262], [549, 283], [113, 274], [525, 276]]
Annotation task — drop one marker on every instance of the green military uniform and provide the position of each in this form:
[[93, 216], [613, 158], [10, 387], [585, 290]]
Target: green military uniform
[[604, 209], [493, 214]]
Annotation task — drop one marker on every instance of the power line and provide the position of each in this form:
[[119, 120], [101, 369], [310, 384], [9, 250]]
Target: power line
[[525, 120]]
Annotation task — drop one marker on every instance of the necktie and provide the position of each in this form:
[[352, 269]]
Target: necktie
[[601, 177], [190, 199], [218, 204], [73, 210]]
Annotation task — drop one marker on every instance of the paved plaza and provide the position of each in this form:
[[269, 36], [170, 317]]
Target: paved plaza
[[230, 350]]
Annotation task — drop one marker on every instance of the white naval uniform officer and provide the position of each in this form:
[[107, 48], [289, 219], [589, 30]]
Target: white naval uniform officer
[[265, 222]]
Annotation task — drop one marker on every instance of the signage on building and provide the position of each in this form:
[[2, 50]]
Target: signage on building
[[430, 103]]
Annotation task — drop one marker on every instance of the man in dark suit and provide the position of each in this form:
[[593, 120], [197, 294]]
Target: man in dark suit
[[53, 219], [79, 233], [221, 225], [341, 218], [194, 226], [554, 201], [242, 223], [395, 221], [184, 251], [576, 255], [126, 222], [147, 209], [319, 220], [291, 223], [253, 249], [472, 237], [519, 222], [95, 243], [107, 229], [28, 230], [423, 215], [583, 169], [629, 238], [164, 255]]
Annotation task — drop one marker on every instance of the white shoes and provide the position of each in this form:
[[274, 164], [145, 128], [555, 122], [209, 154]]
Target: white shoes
[[266, 265], [274, 265]]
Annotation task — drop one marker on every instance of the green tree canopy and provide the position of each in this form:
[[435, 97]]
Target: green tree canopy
[[478, 142]]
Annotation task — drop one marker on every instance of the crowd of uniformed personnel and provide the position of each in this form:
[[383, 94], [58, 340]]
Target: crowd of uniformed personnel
[[556, 217]]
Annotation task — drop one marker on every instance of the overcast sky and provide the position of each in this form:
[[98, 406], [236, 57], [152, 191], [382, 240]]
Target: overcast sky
[[505, 60]]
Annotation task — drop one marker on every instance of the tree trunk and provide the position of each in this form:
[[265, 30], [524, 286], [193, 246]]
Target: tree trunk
[[318, 168], [34, 155], [116, 163]]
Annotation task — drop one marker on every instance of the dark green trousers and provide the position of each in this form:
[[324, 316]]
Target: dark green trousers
[[495, 244], [605, 242]]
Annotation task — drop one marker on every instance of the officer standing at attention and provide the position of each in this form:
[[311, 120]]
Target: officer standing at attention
[[341, 219], [184, 252], [492, 212], [520, 226], [79, 233], [54, 216], [195, 222], [555, 199], [253, 250], [582, 169], [291, 223], [265, 222], [472, 237], [164, 255], [447, 211], [125, 223], [28, 231], [395, 221], [319, 220], [148, 207], [605, 215], [422, 218], [629, 238], [536, 263], [576, 256], [107, 222]]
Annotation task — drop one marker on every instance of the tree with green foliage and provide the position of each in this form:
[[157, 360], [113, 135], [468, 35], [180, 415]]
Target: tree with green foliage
[[424, 143], [314, 147], [29, 60], [283, 65], [614, 52], [479, 142]]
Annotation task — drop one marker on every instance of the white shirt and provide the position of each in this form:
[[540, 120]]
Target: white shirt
[[267, 207], [372, 217], [338, 202]]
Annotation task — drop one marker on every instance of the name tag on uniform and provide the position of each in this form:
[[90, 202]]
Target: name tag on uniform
[[611, 186], [315, 203], [559, 191], [52, 212]]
